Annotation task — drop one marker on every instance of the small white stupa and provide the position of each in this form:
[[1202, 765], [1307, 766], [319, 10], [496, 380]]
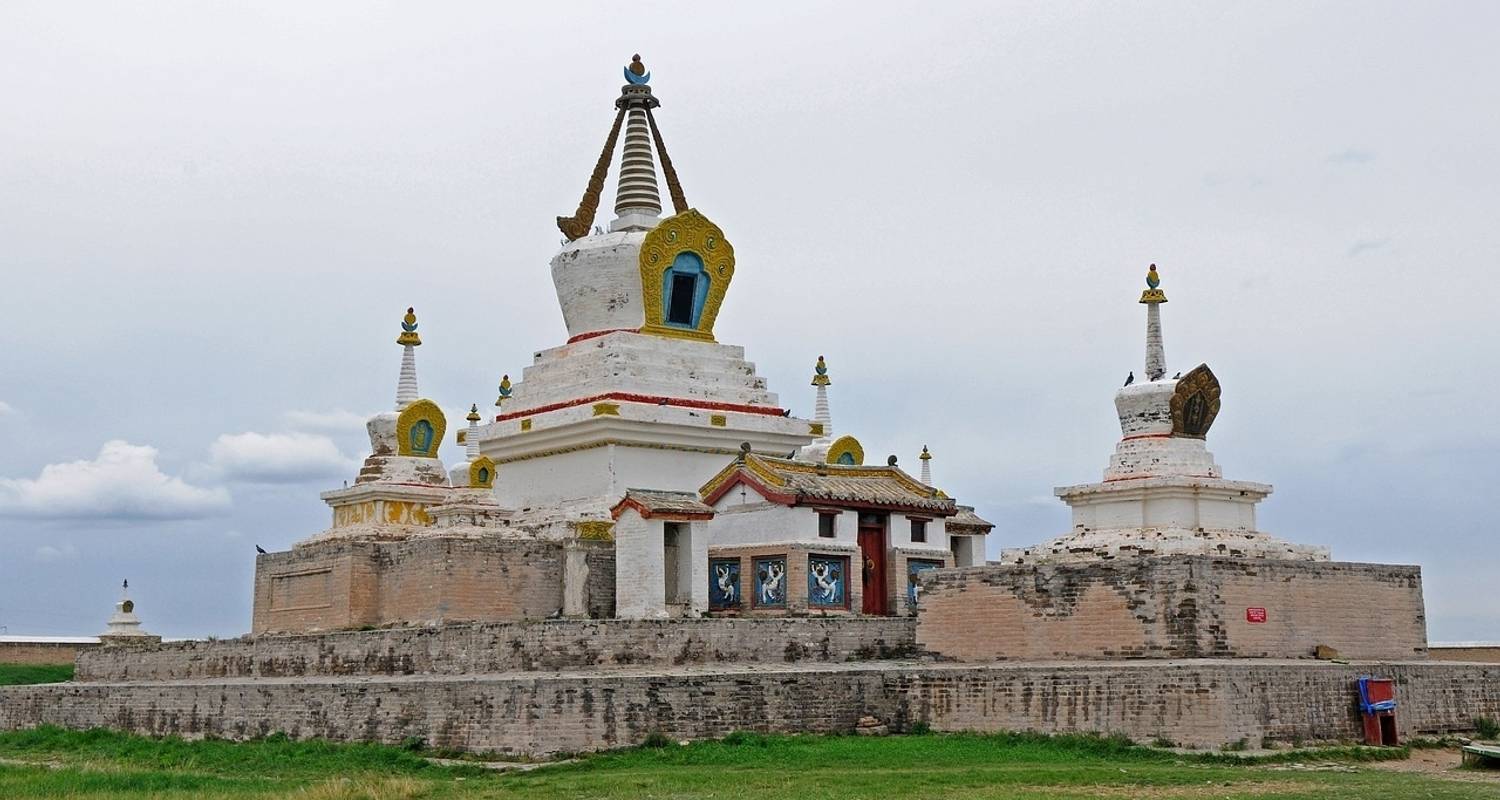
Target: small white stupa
[[1162, 493], [124, 625]]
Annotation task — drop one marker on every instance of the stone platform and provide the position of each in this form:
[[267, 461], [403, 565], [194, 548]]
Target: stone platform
[[545, 688]]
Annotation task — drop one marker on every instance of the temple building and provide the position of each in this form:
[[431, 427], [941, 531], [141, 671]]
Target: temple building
[[639, 469]]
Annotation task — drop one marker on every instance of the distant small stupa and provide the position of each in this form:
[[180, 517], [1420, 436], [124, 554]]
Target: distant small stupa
[[124, 625]]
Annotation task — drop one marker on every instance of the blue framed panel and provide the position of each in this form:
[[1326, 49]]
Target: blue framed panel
[[915, 567], [827, 581], [724, 584], [770, 582]]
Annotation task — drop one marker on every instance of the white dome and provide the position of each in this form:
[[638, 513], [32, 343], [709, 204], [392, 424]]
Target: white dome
[[598, 281]]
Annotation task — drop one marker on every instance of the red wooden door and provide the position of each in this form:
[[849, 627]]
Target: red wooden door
[[872, 553]]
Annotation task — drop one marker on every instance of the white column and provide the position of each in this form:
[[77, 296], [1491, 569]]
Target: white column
[[406, 386], [821, 414], [1156, 357], [926, 459], [471, 439]]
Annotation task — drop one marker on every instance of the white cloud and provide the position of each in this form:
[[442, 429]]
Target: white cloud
[[336, 421], [278, 457], [123, 481], [6, 408], [49, 553]]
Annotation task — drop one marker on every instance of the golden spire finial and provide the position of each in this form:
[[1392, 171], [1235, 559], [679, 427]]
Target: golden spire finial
[[926, 456], [505, 390], [409, 329], [820, 373], [474, 413], [1153, 294]]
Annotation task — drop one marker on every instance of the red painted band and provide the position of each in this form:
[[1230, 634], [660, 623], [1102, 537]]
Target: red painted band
[[591, 334], [648, 400]]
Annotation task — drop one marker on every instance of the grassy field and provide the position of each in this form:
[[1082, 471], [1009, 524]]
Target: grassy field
[[50, 762], [13, 674]]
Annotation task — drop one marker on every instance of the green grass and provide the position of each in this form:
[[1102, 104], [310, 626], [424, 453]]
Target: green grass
[[15, 674], [49, 762]]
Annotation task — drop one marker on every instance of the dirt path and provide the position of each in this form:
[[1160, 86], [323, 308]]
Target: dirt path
[[1437, 761]]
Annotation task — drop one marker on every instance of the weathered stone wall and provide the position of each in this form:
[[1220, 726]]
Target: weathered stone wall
[[42, 652], [341, 585], [1200, 703], [1476, 653], [1177, 607], [493, 648]]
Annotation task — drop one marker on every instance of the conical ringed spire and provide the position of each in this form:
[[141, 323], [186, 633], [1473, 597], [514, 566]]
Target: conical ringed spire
[[406, 385]]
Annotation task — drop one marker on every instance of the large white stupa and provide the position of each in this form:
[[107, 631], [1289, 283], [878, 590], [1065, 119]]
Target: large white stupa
[[641, 394], [1162, 493]]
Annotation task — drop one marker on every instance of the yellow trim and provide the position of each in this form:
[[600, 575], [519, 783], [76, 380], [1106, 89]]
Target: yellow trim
[[483, 462], [815, 428], [595, 530], [846, 444], [1153, 296], [688, 232], [410, 416], [718, 420], [606, 409], [617, 443], [526, 424]]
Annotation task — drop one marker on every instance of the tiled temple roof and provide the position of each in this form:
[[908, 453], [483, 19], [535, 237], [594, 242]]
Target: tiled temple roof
[[967, 522], [654, 504], [795, 482]]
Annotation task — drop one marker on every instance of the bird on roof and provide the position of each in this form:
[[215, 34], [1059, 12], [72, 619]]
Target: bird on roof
[[1178, 376], [260, 549], [1129, 379]]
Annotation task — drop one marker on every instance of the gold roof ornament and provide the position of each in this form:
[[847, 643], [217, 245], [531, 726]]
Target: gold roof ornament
[[926, 456], [1153, 294], [474, 413], [409, 335], [820, 373], [505, 391]]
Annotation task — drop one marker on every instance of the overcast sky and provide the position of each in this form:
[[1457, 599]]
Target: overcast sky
[[212, 216]]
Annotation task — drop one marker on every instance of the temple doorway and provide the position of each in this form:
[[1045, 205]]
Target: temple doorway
[[872, 554]]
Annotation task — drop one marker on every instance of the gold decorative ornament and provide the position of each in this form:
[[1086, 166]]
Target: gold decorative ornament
[[688, 232], [718, 420], [595, 530], [409, 329], [420, 429], [606, 409], [820, 373], [846, 445], [526, 424], [482, 473], [926, 456], [578, 225], [1153, 294], [1195, 403], [815, 428]]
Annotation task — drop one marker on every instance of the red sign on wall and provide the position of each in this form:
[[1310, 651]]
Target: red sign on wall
[[1255, 615]]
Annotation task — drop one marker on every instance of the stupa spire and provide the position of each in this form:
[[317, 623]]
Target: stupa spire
[[926, 459], [406, 385], [1153, 297], [637, 199], [471, 438], [821, 414]]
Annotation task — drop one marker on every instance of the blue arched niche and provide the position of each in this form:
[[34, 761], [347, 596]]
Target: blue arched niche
[[684, 291]]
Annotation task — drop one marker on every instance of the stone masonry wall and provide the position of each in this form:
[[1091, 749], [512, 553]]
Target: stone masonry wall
[[1177, 607], [1199, 703], [493, 648], [341, 585], [42, 652]]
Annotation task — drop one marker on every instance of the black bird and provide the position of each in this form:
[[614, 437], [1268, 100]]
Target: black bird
[[1178, 376], [260, 549], [1129, 379]]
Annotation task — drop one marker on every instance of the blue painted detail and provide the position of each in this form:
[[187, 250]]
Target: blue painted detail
[[770, 582], [421, 438], [638, 80], [484, 475], [827, 581], [686, 264], [847, 459], [724, 583], [915, 567]]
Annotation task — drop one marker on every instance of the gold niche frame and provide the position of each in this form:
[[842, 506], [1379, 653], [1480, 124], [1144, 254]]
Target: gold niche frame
[[846, 444], [1195, 403], [482, 473], [420, 411], [688, 232]]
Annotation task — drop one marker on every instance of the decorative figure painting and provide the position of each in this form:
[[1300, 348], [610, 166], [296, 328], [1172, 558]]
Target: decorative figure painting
[[914, 568], [827, 581], [770, 582], [724, 583]]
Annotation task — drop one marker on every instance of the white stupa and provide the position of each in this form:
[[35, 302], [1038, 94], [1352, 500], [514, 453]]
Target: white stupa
[[124, 626], [1162, 493], [641, 394]]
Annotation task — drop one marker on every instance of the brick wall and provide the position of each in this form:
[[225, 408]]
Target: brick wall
[[1479, 653], [340, 585], [1177, 607], [500, 647], [796, 554], [41, 652], [1201, 703]]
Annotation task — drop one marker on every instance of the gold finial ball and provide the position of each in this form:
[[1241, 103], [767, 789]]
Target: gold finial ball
[[409, 329], [411, 315], [926, 456], [474, 413], [1153, 280], [636, 67]]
